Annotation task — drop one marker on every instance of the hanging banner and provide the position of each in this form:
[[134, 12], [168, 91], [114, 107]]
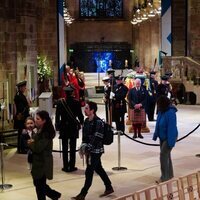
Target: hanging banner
[[61, 38], [166, 36]]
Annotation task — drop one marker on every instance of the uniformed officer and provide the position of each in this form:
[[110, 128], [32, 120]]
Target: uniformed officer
[[151, 99], [163, 87], [67, 112], [106, 97], [111, 75], [119, 103], [21, 110]]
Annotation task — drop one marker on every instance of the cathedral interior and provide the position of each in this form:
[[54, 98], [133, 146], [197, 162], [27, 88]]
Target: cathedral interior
[[38, 38]]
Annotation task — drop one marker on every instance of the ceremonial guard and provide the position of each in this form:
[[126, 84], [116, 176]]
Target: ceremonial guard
[[136, 99], [151, 98], [21, 111], [119, 103], [66, 122], [106, 97], [163, 88], [111, 75]]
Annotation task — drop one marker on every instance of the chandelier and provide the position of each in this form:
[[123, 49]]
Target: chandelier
[[144, 10], [67, 17]]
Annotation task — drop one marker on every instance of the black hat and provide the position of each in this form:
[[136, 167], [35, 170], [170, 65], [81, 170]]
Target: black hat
[[110, 71], [152, 72], [106, 78], [69, 88], [119, 77], [164, 78], [21, 83], [168, 74]]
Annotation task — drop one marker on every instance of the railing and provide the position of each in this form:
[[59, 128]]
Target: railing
[[186, 71], [182, 68], [186, 187]]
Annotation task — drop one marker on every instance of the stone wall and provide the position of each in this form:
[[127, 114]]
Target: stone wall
[[194, 29], [147, 42], [27, 29]]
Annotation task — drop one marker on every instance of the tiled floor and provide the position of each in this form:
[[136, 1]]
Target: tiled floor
[[141, 161]]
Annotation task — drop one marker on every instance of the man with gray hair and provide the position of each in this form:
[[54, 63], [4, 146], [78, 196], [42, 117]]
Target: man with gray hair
[[136, 99]]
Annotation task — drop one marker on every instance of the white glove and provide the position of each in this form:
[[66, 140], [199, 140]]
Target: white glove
[[169, 95], [112, 94], [3, 106]]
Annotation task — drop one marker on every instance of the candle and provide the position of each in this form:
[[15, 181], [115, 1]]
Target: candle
[[110, 63], [126, 63]]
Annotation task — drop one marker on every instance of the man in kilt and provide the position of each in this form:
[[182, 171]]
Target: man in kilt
[[136, 99]]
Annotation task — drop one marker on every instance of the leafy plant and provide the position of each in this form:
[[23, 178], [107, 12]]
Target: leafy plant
[[44, 68]]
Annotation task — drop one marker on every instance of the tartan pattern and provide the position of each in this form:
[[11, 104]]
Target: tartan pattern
[[138, 116]]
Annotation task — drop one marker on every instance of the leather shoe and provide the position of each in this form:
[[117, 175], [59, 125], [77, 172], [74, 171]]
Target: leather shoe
[[140, 136], [64, 170], [135, 136], [57, 196], [79, 197], [70, 170], [107, 192], [73, 169]]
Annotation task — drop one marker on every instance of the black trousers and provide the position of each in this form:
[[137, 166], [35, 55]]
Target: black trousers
[[94, 165], [69, 159], [119, 120], [43, 190]]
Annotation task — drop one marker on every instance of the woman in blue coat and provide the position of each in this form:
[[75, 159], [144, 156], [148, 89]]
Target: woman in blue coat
[[166, 131]]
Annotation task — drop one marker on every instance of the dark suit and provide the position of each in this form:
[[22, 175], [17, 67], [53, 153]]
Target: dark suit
[[151, 99], [107, 90], [69, 131], [119, 106], [22, 108]]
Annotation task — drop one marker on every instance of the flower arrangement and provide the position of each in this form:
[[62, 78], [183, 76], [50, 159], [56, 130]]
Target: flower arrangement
[[44, 69]]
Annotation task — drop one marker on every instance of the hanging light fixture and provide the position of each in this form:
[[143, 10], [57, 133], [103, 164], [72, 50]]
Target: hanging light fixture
[[144, 10], [67, 17]]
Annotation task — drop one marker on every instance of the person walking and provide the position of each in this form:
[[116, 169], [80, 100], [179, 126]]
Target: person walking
[[92, 147], [166, 131], [67, 112], [21, 111], [42, 158]]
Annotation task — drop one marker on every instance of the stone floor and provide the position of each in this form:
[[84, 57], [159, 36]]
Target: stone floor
[[141, 161]]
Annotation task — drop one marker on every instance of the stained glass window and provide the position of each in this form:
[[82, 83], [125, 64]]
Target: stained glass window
[[101, 9]]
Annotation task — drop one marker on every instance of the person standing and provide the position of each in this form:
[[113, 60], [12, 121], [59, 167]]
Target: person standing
[[27, 133], [92, 146], [166, 131], [136, 99], [42, 158], [21, 111], [119, 103], [106, 97], [67, 112], [163, 87], [65, 79], [151, 98]]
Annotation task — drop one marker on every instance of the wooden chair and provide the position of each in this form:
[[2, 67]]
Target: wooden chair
[[130, 196], [190, 185], [170, 190], [150, 193]]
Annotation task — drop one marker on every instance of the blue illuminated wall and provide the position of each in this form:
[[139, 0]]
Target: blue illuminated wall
[[97, 57]]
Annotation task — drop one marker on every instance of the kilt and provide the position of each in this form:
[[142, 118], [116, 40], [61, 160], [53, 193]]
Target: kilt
[[138, 116]]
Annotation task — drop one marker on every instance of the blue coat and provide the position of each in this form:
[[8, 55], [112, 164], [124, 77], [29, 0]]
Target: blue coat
[[166, 128]]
